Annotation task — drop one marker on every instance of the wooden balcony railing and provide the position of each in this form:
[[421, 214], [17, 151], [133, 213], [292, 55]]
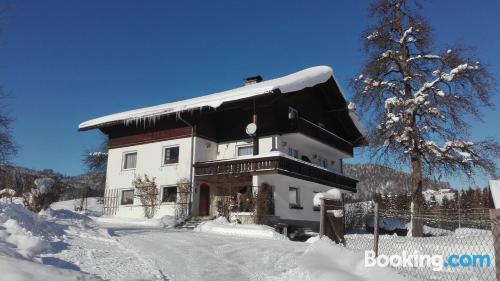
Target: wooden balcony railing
[[276, 164]]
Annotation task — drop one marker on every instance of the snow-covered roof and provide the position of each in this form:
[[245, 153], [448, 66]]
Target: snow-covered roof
[[294, 82]]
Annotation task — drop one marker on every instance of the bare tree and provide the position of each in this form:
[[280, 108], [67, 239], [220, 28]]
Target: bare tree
[[8, 147], [419, 97], [96, 161]]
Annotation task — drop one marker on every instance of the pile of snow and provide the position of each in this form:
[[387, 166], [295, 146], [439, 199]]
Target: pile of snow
[[323, 260], [163, 222], [221, 226], [26, 231], [25, 236], [333, 194]]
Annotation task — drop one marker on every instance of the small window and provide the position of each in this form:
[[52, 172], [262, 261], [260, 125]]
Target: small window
[[293, 152], [323, 162], [294, 197], [129, 160], [171, 155], [169, 194], [245, 150], [292, 113], [127, 197]]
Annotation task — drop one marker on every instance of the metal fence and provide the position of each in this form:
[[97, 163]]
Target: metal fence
[[466, 233]]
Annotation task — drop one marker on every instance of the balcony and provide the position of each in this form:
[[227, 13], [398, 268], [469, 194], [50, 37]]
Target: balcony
[[276, 164], [308, 128]]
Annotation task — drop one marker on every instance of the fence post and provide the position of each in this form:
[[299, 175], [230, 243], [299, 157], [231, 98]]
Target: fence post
[[495, 232], [375, 229], [321, 218]]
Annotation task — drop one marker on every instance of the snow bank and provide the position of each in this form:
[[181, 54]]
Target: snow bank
[[163, 222], [223, 227], [25, 236], [333, 193], [26, 231], [323, 260]]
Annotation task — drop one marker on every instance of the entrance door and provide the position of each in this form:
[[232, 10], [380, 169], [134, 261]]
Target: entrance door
[[204, 200]]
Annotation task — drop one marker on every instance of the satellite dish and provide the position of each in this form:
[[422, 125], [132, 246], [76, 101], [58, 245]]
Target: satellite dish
[[251, 129]]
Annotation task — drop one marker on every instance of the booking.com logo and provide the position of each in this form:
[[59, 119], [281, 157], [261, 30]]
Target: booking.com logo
[[436, 262]]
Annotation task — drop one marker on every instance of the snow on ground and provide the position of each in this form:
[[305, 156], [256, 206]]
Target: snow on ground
[[223, 227], [321, 262], [60, 244], [93, 206]]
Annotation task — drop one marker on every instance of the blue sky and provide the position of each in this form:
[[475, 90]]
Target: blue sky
[[63, 62]]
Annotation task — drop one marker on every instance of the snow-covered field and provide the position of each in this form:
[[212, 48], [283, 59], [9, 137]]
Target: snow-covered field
[[60, 244]]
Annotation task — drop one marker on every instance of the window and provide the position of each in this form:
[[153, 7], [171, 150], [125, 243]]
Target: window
[[294, 197], [293, 152], [171, 155], [245, 150], [322, 162], [292, 113], [169, 194], [127, 197], [129, 160]]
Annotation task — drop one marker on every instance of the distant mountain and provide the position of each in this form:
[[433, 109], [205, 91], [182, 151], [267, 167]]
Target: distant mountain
[[382, 179], [22, 179]]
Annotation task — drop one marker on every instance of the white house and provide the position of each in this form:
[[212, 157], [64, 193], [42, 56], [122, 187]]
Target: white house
[[288, 134]]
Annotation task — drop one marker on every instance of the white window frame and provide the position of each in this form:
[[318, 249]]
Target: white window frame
[[297, 204], [121, 196], [123, 160], [163, 155], [237, 149], [163, 187]]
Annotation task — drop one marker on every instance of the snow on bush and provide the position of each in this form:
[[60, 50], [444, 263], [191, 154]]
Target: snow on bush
[[44, 185], [333, 193], [221, 226]]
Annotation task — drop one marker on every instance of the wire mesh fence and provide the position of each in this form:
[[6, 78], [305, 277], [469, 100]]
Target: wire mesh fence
[[457, 244]]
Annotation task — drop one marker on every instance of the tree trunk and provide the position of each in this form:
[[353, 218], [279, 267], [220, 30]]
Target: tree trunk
[[417, 226]]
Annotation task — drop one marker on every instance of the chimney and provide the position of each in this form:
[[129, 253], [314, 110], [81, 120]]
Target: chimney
[[253, 80]]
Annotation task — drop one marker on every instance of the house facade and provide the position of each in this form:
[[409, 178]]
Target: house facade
[[286, 136]]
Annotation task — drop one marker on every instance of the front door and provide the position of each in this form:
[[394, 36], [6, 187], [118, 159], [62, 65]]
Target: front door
[[204, 200]]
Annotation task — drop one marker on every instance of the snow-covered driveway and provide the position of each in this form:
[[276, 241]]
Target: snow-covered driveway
[[186, 255]]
